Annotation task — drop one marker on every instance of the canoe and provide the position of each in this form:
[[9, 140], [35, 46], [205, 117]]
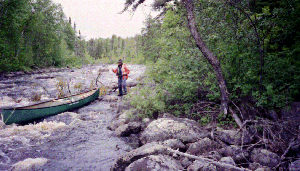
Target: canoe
[[48, 108]]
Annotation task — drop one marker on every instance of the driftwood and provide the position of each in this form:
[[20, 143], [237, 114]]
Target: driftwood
[[219, 164], [44, 77]]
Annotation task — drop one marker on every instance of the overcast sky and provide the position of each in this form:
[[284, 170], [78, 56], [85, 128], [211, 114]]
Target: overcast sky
[[100, 18]]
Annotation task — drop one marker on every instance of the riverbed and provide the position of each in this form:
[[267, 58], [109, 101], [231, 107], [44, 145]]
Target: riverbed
[[76, 140]]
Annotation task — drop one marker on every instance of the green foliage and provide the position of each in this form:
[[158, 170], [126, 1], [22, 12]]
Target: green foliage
[[257, 43], [147, 101]]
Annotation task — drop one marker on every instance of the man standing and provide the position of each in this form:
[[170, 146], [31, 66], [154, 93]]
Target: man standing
[[122, 73]]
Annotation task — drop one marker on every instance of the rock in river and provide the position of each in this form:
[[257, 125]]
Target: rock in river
[[155, 162]]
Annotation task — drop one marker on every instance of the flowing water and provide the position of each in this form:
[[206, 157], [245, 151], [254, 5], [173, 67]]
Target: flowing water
[[77, 140]]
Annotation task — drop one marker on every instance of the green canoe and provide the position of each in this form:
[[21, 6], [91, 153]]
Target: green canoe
[[48, 108]]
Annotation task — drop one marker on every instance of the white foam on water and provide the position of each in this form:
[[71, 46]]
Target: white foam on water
[[29, 164], [37, 131]]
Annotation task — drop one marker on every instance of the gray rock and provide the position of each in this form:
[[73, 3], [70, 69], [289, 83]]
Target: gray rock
[[203, 146], [126, 159], [185, 130], [234, 137], [200, 165], [238, 155], [185, 162], [174, 144], [155, 162], [265, 157], [229, 150], [128, 129], [264, 168], [228, 160], [213, 155], [110, 98], [254, 166], [295, 166], [115, 124]]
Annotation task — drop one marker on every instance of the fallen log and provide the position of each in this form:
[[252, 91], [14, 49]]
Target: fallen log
[[219, 164]]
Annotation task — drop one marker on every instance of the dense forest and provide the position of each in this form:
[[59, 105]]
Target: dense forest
[[255, 43], [36, 34]]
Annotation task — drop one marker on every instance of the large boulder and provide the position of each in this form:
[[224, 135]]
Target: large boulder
[[203, 146], [238, 155], [228, 160], [162, 129], [126, 159], [128, 129], [174, 144], [115, 124], [265, 157], [295, 166], [155, 162], [234, 137], [200, 165]]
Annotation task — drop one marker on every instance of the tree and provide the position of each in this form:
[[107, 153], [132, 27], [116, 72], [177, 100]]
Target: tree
[[207, 53]]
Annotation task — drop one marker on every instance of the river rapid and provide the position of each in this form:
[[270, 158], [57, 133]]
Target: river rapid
[[76, 140]]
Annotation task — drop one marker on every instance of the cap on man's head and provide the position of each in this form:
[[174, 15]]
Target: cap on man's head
[[120, 60]]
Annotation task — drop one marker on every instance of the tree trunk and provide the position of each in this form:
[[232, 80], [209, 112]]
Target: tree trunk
[[212, 59]]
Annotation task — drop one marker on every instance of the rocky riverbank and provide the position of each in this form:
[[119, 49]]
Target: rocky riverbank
[[172, 143]]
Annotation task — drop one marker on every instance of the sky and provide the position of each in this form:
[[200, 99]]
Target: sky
[[100, 18]]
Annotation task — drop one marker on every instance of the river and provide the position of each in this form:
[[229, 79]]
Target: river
[[77, 140]]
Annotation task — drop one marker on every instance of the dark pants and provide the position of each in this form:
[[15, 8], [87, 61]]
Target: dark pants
[[122, 84]]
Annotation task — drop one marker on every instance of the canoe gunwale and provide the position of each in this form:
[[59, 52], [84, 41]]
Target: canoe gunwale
[[35, 104], [24, 114]]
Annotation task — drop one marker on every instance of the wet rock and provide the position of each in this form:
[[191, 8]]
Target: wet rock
[[148, 149], [4, 159], [234, 137], [129, 116], [166, 115], [200, 165], [228, 160], [66, 117], [89, 116], [213, 155], [174, 144], [128, 129], [29, 164], [254, 166], [265, 157], [162, 129], [264, 168], [155, 162], [115, 124], [295, 166], [185, 162], [203, 146], [110, 98], [238, 155]]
